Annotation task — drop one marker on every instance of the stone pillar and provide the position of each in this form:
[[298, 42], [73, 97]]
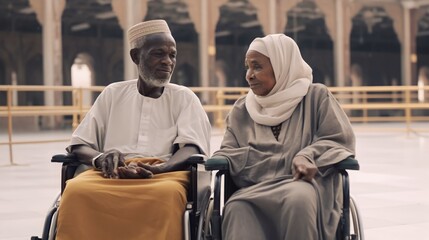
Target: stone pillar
[[214, 13], [347, 29], [203, 45], [48, 14], [48, 48], [129, 12], [413, 42], [406, 50], [339, 46], [200, 16], [337, 20], [272, 13], [205, 14]]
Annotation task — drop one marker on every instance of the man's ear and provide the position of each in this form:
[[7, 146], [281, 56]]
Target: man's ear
[[134, 54]]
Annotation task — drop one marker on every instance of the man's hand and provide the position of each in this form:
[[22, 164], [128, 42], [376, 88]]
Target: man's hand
[[110, 161], [133, 171], [303, 169]]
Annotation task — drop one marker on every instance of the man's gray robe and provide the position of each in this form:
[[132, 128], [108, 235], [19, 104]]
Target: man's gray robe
[[262, 166]]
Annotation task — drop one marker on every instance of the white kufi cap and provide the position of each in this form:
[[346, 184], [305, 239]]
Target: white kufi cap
[[145, 28]]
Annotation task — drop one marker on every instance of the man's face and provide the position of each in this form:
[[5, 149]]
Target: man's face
[[157, 59]]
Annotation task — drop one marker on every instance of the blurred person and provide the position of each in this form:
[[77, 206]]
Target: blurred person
[[280, 140], [137, 137]]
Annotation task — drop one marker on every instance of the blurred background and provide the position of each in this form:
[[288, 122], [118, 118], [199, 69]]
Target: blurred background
[[57, 55], [82, 43], [346, 42]]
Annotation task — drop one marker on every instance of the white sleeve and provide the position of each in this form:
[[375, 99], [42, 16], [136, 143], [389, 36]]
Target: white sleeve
[[91, 131], [193, 125]]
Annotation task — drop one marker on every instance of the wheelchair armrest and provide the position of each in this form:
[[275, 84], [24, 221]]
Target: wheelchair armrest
[[198, 195], [347, 164], [65, 158], [70, 163], [197, 159], [217, 163], [221, 163]]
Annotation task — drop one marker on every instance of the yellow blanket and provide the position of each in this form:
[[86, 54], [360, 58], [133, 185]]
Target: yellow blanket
[[93, 207]]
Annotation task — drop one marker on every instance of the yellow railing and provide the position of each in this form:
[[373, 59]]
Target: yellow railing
[[384, 103], [362, 104]]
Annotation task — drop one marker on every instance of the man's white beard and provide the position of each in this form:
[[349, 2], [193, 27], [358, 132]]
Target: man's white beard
[[150, 81]]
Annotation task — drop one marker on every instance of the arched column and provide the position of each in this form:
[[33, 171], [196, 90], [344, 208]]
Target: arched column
[[48, 14], [395, 11], [205, 14], [267, 15], [408, 43], [284, 7], [405, 26], [329, 9], [336, 19], [343, 23], [198, 12], [129, 12], [272, 16], [353, 10], [346, 32]]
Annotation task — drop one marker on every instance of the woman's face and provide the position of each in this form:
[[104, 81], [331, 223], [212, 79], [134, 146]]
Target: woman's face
[[260, 73]]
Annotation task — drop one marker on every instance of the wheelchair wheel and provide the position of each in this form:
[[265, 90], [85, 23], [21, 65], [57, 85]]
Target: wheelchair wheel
[[356, 220], [52, 230], [53, 227], [207, 227], [50, 225]]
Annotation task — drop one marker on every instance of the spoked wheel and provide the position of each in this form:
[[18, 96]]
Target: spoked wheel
[[356, 220], [206, 233]]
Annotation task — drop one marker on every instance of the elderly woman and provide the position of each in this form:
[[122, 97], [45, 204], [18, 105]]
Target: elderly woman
[[280, 140]]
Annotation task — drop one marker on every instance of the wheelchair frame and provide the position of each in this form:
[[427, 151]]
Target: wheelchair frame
[[221, 165], [196, 215]]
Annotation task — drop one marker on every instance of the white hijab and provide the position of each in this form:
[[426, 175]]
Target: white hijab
[[293, 78]]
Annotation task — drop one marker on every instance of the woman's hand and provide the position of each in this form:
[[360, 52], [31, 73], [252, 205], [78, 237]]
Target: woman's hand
[[303, 169], [109, 162]]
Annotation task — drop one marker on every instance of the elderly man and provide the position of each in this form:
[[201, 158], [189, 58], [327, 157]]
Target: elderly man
[[137, 137]]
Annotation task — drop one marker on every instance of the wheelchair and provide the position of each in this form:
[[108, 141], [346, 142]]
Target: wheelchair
[[350, 212], [196, 215]]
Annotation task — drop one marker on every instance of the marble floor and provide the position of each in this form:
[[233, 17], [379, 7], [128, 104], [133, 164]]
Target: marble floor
[[391, 188]]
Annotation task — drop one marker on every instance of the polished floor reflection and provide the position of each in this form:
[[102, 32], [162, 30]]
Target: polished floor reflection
[[392, 187]]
